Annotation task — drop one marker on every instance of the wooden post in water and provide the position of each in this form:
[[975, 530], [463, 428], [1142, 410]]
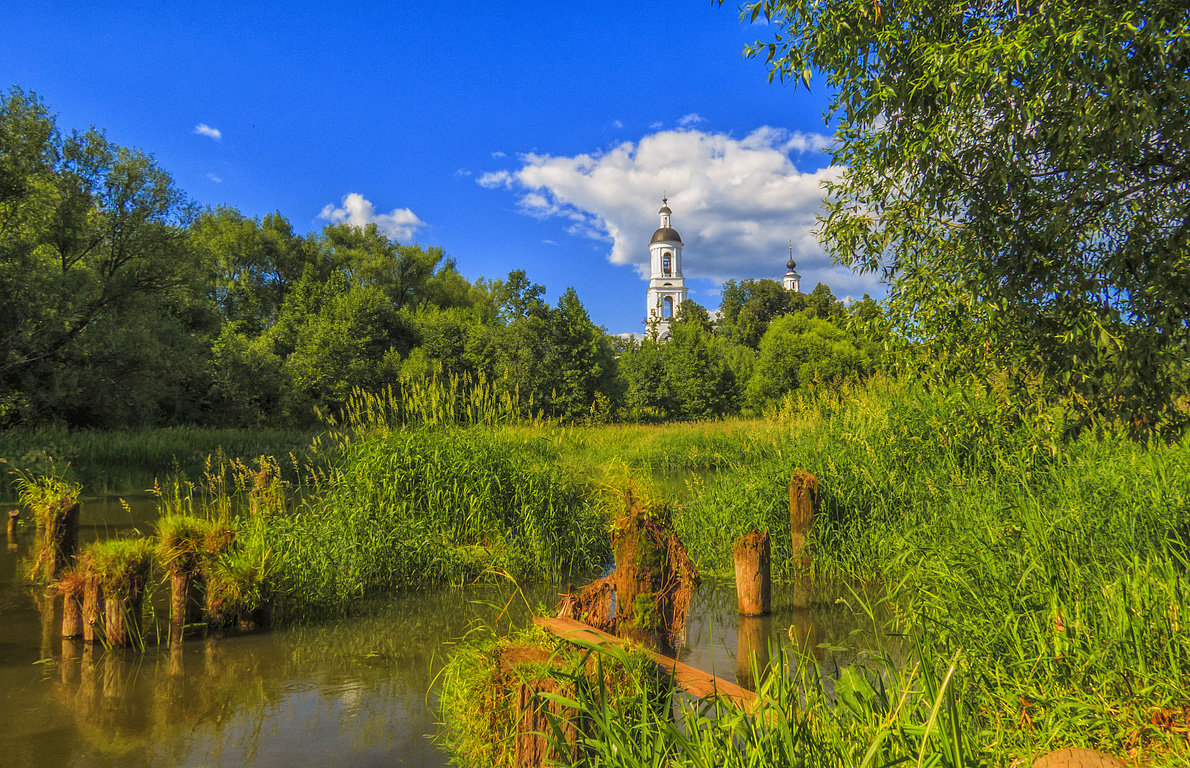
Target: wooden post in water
[[123, 607], [93, 626], [803, 505], [60, 538], [752, 650], [753, 584], [72, 588], [13, 517], [527, 670], [187, 596]]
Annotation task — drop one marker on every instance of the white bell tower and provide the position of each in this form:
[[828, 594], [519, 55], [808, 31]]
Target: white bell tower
[[667, 286], [792, 281]]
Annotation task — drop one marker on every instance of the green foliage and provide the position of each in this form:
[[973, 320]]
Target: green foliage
[[687, 376], [45, 494], [97, 283], [800, 351], [131, 460], [1017, 171]]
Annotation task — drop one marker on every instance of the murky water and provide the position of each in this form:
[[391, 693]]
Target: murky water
[[357, 692]]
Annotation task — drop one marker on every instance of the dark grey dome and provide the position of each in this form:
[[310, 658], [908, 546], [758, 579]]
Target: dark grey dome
[[665, 209], [666, 235], [791, 264]]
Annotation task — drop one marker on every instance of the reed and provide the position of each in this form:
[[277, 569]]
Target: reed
[[414, 507]]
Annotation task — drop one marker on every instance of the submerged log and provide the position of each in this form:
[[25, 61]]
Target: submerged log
[[753, 578], [803, 505], [1077, 758], [693, 681]]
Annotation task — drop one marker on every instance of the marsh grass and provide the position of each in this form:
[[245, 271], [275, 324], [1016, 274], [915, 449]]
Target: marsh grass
[[422, 506], [123, 567], [107, 461]]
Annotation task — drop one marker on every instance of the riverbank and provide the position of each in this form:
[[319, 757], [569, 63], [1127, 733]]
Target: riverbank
[[1039, 577]]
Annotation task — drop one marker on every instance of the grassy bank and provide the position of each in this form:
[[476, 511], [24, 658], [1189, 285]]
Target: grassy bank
[[1042, 577], [1044, 580], [125, 461]]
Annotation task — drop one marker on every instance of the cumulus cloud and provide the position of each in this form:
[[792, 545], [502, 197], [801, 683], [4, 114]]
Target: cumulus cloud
[[358, 211], [737, 202], [202, 129]]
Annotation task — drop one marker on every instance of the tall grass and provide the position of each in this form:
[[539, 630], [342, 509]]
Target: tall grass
[[415, 507], [104, 461], [1053, 569]]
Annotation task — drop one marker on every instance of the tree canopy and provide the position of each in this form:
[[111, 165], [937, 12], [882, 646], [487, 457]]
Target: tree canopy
[[121, 305], [1018, 170]]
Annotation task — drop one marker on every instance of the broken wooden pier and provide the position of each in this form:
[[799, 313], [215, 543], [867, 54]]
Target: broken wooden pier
[[697, 683]]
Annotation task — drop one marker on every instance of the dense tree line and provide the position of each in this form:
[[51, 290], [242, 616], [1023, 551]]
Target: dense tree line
[[121, 304]]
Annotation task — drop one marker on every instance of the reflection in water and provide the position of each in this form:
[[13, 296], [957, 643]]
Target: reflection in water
[[356, 692], [752, 649]]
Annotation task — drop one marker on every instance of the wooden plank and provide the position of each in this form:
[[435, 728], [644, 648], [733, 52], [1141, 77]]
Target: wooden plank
[[694, 681]]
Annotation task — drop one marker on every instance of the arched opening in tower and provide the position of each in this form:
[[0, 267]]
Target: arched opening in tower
[[667, 307], [666, 264]]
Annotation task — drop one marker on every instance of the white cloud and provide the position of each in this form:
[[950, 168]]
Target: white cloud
[[495, 179], [617, 124], [462, 172], [736, 202], [202, 129], [358, 211], [498, 155], [691, 119], [214, 178]]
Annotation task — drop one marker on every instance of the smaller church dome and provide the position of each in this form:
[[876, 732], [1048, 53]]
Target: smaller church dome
[[666, 235], [791, 264], [665, 209]]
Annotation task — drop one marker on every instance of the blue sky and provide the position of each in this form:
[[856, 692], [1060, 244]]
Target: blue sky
[[535, 136]]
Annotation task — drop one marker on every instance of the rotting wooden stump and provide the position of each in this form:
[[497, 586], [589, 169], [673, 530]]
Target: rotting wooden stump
[[753, 579], [14, 517], [93, 625], [187, 597], [124, 609], [59, 538], [803, 506], [1077, 758], [535, 716], [71, 587], [651, 586]]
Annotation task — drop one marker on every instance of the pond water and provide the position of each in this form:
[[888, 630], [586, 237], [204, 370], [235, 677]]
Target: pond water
[[360, 691]]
